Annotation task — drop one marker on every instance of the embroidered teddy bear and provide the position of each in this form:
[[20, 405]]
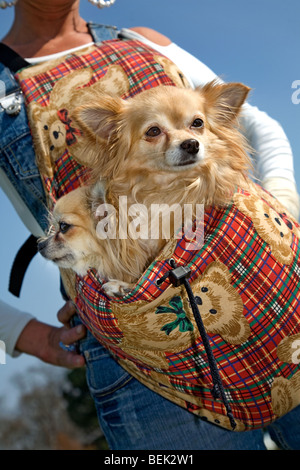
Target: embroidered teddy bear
[[55, 126], [270, 226], [285, 394], [278, 207], [288, 349], [220, 304], [173, 71], [167, 324]]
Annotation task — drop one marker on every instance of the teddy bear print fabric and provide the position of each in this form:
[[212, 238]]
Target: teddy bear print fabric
[[245, 279], [245, 276]]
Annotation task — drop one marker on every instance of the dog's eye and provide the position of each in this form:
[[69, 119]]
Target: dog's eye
[[64, 227], [153, 132], [198, 123]]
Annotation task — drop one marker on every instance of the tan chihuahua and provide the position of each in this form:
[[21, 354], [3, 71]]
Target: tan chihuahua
[[166, 146]]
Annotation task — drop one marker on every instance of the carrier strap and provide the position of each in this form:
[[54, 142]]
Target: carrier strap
[[21, 262], [11, 59]]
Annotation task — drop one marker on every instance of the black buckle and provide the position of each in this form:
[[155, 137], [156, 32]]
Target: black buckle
[[179, 274]]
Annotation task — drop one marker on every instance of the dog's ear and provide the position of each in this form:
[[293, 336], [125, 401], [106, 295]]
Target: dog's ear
[[95, 195], [224, 101], [100, 118], [97, 192]]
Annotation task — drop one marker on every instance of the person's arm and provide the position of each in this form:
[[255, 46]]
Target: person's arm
[[19, 205], [12, 323], [22, 333], [272, 157]]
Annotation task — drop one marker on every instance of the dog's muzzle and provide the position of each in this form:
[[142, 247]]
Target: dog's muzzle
[[190, 146], [42, 245], [189, 152]]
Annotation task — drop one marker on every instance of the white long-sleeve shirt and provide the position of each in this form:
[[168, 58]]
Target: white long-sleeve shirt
[[273, 164], [12, 323]]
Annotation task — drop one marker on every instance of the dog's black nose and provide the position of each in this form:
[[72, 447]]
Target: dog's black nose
[[191, 146]]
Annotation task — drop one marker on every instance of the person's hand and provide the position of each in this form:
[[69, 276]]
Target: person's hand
[[43, 340]]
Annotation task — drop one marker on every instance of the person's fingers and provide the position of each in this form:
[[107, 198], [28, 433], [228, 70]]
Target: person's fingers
[[52, 345], [71, 360], [67, 337], [66, 312], [72, 335]]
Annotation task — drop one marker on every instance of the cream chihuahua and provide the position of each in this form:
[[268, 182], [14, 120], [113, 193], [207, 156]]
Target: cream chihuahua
[[167, 145]]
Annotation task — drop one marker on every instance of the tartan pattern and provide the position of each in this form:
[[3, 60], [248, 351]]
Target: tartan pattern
[[101, 321], [67, 176], [135, 58], [271, 305], [269, 289]]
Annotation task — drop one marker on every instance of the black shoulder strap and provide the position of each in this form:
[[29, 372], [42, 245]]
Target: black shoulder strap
[[11, 59], [20, 264]]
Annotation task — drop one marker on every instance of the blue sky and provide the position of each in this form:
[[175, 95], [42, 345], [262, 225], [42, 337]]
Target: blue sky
[[256, 42]]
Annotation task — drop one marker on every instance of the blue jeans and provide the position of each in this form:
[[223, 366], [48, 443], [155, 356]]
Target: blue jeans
[[133, 417]]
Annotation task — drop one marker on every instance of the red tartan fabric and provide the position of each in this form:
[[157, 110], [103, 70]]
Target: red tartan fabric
[[255, 297], [136, 59], [245, 277]]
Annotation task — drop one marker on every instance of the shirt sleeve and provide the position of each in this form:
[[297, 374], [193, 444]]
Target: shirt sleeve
[[272, 154], [12, 323], [19, 205]]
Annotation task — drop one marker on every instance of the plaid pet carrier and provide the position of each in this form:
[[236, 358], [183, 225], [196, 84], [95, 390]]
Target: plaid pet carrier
[[245, 277]]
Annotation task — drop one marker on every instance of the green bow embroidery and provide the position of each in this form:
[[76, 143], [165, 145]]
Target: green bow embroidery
[[181, 321]]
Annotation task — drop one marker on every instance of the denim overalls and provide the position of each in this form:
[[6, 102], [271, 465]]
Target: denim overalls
[[131, 416]]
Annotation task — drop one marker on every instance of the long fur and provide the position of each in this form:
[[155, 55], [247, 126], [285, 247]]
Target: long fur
[[120, 165], [129, 163]]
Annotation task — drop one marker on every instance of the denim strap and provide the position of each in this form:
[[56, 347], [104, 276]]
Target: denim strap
[[102, 32]]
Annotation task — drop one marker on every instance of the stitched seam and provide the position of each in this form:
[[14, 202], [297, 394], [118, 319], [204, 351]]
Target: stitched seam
[[110, 390], [18, 168], [280, 439], [21, 136]]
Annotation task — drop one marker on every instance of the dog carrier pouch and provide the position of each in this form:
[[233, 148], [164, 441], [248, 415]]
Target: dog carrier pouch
[[245, 277]]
